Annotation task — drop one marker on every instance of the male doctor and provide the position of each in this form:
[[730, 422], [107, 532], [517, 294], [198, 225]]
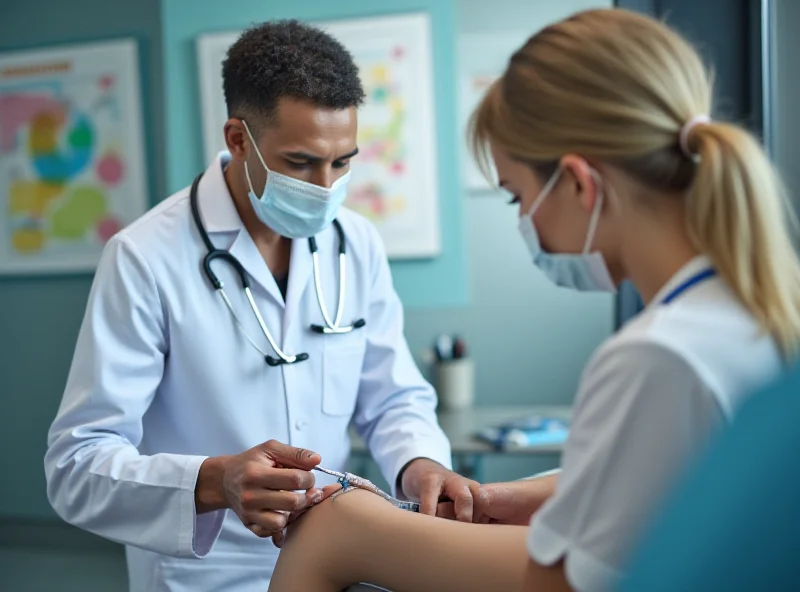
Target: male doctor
[[175, 436]]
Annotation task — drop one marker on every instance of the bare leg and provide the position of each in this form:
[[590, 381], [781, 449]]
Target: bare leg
[[359, 537]]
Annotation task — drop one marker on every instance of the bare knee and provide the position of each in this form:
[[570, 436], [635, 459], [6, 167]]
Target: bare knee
[[322, 546], [303, 562], [336, 520]]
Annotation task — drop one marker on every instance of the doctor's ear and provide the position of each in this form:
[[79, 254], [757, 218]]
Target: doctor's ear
[[586, 182], [236, 138]]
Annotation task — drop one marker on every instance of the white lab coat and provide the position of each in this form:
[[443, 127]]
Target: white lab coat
[[162, 378]]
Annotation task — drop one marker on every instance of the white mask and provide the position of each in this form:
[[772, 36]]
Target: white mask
[[586, 272]]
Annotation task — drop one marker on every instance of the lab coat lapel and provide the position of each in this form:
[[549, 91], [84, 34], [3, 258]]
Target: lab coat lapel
[[300, 280], [246, 251], [220, 217]]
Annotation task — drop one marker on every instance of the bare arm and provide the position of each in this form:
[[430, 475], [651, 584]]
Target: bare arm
[[513, 502], [358, 537]]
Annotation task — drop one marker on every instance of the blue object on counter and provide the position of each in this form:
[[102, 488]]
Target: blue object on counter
[[522, 433]]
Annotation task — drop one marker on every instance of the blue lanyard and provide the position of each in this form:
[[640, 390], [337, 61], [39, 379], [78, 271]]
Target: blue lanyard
[[692, 281]]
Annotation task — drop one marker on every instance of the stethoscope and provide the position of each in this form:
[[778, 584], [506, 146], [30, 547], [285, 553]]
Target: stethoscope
[[329, 328]]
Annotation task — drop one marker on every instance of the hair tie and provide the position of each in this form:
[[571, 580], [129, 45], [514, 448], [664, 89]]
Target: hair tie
[[687, 128]]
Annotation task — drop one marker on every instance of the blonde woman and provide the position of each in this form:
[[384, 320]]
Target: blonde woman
[[599, 128]]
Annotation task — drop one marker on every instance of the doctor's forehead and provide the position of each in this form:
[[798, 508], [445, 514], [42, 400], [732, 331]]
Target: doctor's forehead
[[296, 121]]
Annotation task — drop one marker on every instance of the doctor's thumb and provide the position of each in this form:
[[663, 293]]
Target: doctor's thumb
[[291, 456]]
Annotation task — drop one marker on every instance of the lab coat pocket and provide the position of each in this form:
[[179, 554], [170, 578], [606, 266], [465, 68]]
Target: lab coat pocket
[[342, 363]]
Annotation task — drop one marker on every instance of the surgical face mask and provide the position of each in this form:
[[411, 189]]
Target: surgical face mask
[[584, 272], [291, 207]]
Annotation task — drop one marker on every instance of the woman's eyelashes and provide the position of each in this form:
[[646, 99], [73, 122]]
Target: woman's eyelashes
[[514, 200]]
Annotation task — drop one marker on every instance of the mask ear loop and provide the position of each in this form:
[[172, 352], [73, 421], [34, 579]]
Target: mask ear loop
[[546, 190], [343, 180], [258, 153], [598, 206]]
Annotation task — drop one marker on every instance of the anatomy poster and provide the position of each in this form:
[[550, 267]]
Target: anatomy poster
[[72, 169], [393, 182]]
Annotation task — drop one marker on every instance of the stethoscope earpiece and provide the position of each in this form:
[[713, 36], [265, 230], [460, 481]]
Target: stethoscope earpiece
[[330, 328]]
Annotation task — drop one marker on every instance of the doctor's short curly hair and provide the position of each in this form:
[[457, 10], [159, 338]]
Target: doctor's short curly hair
[[287, 58]]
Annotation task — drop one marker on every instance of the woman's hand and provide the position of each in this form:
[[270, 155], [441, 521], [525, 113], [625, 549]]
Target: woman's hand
[[429, 482], [513, 502]]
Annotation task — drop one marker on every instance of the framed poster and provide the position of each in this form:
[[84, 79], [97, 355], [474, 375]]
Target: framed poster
[[212, 48], [394, 181], [72, 165]]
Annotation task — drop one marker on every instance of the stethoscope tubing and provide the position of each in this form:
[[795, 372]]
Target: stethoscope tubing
[[329, 328]]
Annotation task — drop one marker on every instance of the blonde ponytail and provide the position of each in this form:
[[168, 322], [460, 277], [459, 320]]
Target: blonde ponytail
[[737, 214], [619, 87]]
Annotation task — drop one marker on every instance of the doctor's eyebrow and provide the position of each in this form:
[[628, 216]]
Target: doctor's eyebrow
[[311, 158]]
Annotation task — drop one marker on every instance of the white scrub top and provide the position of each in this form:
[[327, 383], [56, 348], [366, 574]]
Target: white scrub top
[[648, 401], [162, 378]]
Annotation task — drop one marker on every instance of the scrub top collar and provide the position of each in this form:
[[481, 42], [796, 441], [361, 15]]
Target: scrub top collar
[[693, 267]]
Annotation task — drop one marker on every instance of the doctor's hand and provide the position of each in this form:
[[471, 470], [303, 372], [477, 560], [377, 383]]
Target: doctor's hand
[[260, 485], [280, 537], [429, 482]]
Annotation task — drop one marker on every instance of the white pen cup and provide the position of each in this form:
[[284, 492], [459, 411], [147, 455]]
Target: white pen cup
[[455, 383]]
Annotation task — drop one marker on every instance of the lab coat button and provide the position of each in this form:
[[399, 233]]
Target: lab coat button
[[300, 424]]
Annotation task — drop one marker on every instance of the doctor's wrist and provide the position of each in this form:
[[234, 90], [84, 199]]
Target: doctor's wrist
[[209, 494]]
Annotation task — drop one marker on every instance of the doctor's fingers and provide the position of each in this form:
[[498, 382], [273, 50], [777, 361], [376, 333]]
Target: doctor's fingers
[[460, 493], [313, 497], [462, 503], [260, 476], [429, 498], [291, 456], [265, 523], [447, 510], [257, 500]]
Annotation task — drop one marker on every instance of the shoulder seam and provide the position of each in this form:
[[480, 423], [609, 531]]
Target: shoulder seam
[[152, 214]]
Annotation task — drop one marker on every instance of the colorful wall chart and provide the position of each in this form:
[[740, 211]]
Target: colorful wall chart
[[394, 181], [71, 154]]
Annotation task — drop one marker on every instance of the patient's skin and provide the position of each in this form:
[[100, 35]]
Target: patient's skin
[[359, 537]]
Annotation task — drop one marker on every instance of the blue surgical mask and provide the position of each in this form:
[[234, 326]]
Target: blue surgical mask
[[291, 207], [586, 272]]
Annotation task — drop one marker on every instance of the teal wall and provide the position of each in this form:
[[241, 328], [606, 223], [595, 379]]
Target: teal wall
[[437, 282], [40, 316]]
